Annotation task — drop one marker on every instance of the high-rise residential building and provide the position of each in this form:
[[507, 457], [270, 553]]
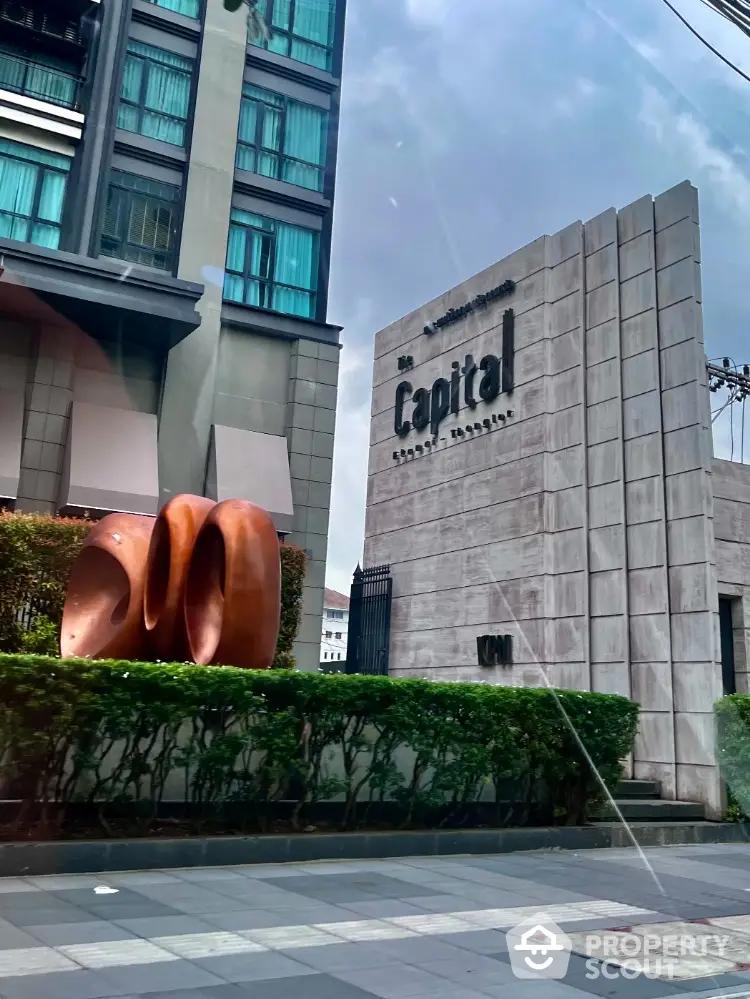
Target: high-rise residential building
[[166, 194]]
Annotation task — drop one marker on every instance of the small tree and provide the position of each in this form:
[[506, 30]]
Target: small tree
[[257, 28]]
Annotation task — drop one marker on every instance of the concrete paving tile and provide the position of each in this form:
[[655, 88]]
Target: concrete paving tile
[[162, 977], [384, 908], [393, 981], [480, 942], [473, 971], [116, 953], [311, 987], [12, 938], [338, 957], [63, 985], [252, 967], [162, 926], [444, 903], [42, 917], [249, 919], [96, 931]]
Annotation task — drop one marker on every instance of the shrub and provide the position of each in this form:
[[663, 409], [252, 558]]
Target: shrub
[[36, 555], [103, 733], [733, 743]]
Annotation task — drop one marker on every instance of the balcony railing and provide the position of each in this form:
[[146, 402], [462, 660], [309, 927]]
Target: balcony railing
[[34, 79]]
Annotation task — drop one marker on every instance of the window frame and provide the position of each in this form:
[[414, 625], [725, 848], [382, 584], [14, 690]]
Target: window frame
[[270, 283], [41, 168], [292, 36], [281, 153], [140, 106], [131, 193]]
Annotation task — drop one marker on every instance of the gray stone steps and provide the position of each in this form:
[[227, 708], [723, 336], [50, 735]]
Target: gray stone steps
[[652, 810], [629, 789]]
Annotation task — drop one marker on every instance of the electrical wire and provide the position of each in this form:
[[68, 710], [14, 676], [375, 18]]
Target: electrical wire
[[737, 12], [705, 41]]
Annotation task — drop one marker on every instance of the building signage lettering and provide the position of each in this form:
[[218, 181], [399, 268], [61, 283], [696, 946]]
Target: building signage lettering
[[432, 406], [453, 315]]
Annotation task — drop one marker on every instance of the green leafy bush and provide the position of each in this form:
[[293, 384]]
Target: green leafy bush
[[36, 556], [733, 743], [104, 733]]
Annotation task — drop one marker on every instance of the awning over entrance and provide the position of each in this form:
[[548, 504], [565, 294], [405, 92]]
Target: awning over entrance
[[102, 297], [243, 464], [110, 462]]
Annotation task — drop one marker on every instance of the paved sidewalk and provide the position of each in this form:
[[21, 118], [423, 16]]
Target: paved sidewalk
[[410, 928]]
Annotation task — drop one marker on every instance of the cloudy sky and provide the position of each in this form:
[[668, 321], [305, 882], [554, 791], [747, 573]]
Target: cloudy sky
[[470, 127]]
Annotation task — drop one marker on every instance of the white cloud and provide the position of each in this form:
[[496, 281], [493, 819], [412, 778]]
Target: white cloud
[[689, 141], [428, 13]]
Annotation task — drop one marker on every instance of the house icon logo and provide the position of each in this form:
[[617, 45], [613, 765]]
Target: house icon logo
[[538, 948]]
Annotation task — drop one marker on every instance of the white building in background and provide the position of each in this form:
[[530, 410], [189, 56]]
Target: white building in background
[[335, 627]]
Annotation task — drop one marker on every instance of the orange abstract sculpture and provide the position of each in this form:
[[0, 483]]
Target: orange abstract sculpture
[[233, 591], [172, 542], [202, 580], [103, 614]]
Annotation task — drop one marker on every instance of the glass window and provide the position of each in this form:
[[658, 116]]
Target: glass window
[[46, 79], [338, 634], [32, 193], [140, 221], [300, 29], [281, 138], [190, 8], [329, 634], [271, 264], [155, 94]]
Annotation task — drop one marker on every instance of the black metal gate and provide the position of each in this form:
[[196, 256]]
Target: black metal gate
[[369, 621]]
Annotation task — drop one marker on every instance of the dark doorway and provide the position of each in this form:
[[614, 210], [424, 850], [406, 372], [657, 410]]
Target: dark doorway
[[727, 645]]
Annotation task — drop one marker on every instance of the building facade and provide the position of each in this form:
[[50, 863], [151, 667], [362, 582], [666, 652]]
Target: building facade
[[166, 196], [335, 628], [543, 485]]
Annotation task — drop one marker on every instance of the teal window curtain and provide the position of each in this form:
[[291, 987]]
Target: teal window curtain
[[271, 264], [169, 92], [18, 183], [236, 248], [159, 109], [313, 21], [302, 29], [246, 135], [295, 264], [190, 8], [281, 138], [43, 81], [11, 71], [305, 141], [24, 183]]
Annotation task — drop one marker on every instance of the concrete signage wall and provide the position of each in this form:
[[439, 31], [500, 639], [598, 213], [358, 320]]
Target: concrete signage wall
[[540, 470]]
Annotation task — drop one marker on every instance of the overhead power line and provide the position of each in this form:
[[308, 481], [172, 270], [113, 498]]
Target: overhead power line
[[736, 11], [699, 36]]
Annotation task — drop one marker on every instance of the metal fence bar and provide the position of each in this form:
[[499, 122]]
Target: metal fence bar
[[369, 621]]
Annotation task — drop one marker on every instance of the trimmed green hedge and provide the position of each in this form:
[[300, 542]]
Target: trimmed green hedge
[[733, 745], [36, 556], [110, 732]]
